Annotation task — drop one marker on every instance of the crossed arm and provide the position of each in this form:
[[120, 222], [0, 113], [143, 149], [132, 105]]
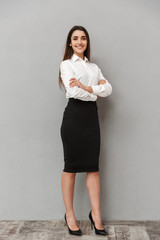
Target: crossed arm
[[105, 87], [76, 89]]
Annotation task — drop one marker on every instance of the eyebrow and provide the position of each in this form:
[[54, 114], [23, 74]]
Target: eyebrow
[[81, 36]]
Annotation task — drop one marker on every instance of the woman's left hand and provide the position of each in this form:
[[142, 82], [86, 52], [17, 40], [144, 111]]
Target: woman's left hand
[[75, 82]]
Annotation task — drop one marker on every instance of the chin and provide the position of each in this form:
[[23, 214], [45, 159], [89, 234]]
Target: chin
[[81, 51]]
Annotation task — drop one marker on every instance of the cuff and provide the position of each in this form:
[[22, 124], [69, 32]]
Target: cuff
[[98, 88], [95, 97]]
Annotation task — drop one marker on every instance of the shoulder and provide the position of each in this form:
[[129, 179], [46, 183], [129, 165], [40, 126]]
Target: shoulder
[[66, 65], [93, 64], [97, 67]]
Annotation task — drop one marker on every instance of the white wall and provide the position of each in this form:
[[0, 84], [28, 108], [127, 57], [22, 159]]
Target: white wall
[[125, 40]]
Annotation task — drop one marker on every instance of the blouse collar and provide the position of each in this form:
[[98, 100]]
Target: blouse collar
[[75, 57]]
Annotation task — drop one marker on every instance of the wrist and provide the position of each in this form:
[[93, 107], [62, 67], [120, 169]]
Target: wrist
[[83, 87], [88, 89]]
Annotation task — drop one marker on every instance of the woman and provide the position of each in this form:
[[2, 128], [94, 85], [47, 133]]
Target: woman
[[80, 132]]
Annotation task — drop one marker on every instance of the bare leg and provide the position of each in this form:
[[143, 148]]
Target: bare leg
[[67, 184], [93, 185]]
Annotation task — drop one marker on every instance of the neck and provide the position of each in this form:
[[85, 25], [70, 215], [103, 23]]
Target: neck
[[80, 55]]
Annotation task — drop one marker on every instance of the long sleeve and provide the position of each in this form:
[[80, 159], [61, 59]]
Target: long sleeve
[[74, 92], [102, 90]]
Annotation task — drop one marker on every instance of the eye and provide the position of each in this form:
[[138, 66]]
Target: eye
[[83, 38]]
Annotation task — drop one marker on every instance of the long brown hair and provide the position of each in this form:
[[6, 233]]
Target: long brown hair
[[69, 51]]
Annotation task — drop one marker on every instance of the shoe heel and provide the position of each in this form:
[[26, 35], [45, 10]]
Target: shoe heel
[[97, 231], [91, 226], [73, 232]]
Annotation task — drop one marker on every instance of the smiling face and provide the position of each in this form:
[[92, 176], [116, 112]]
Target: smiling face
[[79, 42]]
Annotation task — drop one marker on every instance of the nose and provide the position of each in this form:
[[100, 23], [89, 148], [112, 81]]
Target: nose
[[79, 41]]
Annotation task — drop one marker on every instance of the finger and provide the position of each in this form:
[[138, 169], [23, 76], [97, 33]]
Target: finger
[[72, 84], [75, 83], [72, 81]]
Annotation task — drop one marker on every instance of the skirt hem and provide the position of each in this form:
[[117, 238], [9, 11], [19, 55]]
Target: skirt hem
[[82, 170]]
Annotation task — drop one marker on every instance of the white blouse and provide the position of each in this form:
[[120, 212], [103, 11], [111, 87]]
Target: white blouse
[[88, 74]]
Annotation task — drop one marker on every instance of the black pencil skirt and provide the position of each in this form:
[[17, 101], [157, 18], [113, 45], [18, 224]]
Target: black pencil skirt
[[80, 134]]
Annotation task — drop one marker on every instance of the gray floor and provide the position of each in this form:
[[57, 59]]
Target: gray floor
[[57, 229]]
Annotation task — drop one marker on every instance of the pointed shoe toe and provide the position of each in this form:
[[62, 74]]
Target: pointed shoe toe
[[97, 231], [73, 232]]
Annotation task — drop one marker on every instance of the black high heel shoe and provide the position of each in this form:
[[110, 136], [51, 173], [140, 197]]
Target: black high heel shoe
[[97, 231], [73, 232]]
